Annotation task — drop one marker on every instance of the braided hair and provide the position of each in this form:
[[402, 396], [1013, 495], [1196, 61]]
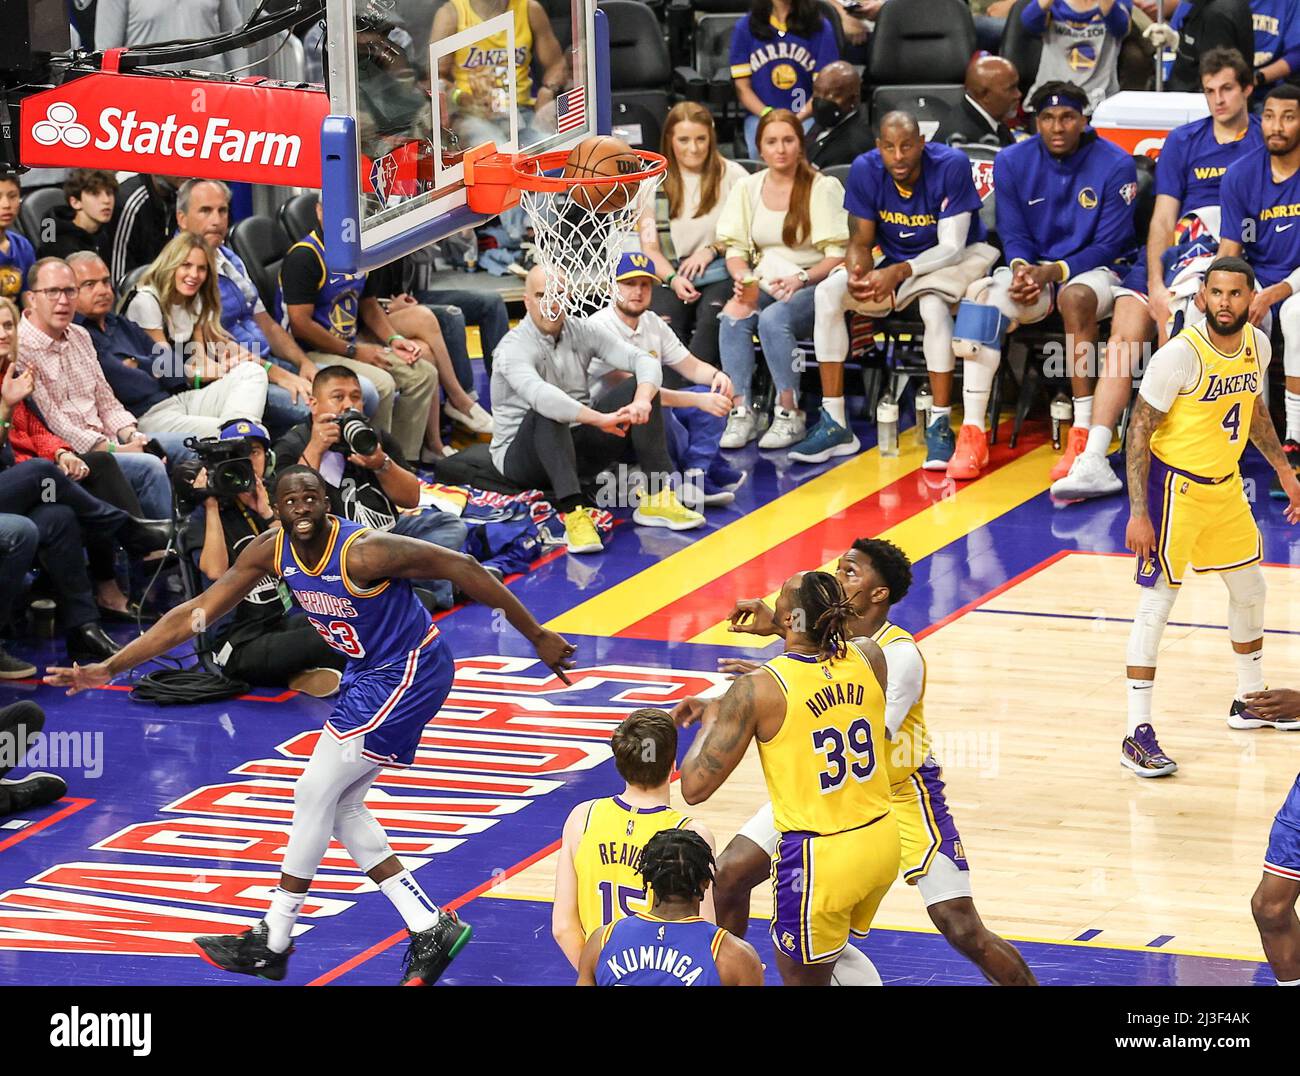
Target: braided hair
[[677, 863], [827, 610]]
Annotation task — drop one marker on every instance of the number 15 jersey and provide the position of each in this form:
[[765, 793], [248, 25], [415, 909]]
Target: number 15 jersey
[[826, 768]]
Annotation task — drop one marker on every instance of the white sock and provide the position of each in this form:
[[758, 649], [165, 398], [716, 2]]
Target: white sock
[[1082, 412], [834, 406], [410, 900], [1250, 672], [1289, 982], [936, 413], [975, 404], [1292, 415], [1139, 703], [1098, 441], [280, 918]]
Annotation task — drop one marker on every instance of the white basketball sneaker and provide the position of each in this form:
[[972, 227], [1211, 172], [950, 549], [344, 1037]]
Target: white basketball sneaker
[[741, 429], [788, 428], [1090, 476]]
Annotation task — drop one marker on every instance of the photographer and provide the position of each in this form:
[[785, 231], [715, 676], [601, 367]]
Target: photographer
[[367, 483], [263, 642]]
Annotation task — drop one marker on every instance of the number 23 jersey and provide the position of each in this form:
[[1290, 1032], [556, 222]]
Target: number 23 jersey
[[826, 766], [372, 626]]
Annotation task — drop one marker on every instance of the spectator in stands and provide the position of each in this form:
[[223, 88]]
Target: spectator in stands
[[550, 431], [98, 473], [483, 308], [146, 22], [203, 207], [16, 253], [73, 396], [1277, 43], [266, 641], [786, 229], [775, 51], [145, 220], [695, 186], [1068, 238], [1181, 242], [156, 378], [990, 22], [373, 489], [20, 723], [1261, 188], [1081, 43], [992, 100], [83, 224], [841, 130], [323, 310], [918, 202], [1202, 25], [694, 418]]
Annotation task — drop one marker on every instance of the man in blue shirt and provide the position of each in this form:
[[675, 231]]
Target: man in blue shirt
[[1065, 215], [1261, 222], [918, 202], [1181, 243]]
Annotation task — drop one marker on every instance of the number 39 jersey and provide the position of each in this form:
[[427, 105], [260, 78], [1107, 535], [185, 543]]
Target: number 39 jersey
[[826, 768], [374, 626]]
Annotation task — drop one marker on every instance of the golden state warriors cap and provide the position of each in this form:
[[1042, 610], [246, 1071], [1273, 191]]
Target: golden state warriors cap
[[239, 428], [633, 265]]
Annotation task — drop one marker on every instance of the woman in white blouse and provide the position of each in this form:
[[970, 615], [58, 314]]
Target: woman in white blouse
[[695, 186], [785, 229]]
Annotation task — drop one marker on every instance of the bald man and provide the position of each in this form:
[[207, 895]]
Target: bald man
[[841, 131], [991, 101]]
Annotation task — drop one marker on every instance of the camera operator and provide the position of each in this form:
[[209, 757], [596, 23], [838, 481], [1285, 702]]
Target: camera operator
[[367, 483], [264, 642]]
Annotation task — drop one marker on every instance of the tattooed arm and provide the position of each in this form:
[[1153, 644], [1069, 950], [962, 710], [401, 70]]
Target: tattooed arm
[[726, 727], [1264, 437], [1140, 535], [378, 555]]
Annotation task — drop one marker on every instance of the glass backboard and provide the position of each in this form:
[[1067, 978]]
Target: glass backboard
[[415, 84]]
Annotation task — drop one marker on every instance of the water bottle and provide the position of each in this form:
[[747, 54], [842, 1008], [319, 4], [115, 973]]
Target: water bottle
[[924, 405], [887, 426], [1062, 411]]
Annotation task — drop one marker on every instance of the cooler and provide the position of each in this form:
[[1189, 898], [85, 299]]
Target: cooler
[[1139, 121]]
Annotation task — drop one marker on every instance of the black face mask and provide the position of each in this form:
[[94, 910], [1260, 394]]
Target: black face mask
[[827, 113]]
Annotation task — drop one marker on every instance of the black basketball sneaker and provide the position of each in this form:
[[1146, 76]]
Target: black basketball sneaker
[[246, 953], [34, 790], [430, 951]]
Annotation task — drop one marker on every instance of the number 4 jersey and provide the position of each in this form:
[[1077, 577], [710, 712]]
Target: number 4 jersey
[[826, 767]]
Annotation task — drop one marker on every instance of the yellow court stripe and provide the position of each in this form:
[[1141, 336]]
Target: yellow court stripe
[[933, 528], [674, 578]]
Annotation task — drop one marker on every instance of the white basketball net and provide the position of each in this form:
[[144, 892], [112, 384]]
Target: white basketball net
[[578, 247]]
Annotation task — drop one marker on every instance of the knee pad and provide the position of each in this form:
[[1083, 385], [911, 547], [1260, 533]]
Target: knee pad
[[1154, 607], [1246, 593], [978, 326]]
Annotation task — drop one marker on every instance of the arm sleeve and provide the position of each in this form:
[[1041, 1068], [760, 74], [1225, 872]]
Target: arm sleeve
[[1171, 168], [830, 222], [739, 55], [948, 250], [733, 225], [516, 366], [1119, 18], [1115, 236], [1232, 205], [1034, 19], [1289, 46], [44, 443], [905, 673], [144, 349], [110, 24], [1265, 357], [146, 311], [620, 354], [301, 277], [1017, 241], [1173, 369], [671, 349], [51, 409], [111, 412], [860, 190]]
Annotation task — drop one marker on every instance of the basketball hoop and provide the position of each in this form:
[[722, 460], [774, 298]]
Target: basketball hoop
[[580, 225]]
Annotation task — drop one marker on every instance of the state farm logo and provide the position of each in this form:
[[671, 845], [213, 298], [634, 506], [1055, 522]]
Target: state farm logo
[[213, 138], [60, 125]]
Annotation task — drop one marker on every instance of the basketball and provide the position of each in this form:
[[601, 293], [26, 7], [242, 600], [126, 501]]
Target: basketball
[[602, 155]]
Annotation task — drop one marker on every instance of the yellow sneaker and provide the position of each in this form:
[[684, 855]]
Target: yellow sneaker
[[580, 532], [663, 509]]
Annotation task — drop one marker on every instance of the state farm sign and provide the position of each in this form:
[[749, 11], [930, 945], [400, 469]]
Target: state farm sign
[[230, 131]]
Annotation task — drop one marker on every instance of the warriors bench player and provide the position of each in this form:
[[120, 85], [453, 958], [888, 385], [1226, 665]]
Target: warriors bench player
[[353, 582]]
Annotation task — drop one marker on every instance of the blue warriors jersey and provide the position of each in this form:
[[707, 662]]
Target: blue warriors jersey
[[644, 951], [781, 67], [1192, 162], [339, 298], [14, 264], [1263, 216], [1277, 36], [373, 627], [907, 221]]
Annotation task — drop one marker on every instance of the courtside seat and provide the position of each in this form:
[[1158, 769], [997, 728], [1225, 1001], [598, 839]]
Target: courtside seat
[[929, 103], [298, 215], [261, 243], [36, 206], [640, 73], [921, 42]]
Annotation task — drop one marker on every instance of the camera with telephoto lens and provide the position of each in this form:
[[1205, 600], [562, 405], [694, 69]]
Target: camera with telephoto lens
[[359, 436], [230, 471]]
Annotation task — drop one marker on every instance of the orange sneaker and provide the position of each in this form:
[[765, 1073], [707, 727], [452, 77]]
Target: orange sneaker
[[971, 454], [1074, 446]]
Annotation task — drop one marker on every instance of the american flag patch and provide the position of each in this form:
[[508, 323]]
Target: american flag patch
[[571, 109]]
